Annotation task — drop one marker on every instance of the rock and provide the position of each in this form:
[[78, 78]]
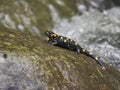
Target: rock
[[36, 16], [29, 63], [116, 2], [101, 4]]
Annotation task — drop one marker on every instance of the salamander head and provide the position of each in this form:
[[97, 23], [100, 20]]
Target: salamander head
[[50, 34]]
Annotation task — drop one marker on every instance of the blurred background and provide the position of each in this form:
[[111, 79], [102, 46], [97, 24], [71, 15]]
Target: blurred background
[[94, 24]]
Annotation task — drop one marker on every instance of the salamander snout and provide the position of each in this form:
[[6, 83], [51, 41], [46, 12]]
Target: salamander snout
[[49, 33]]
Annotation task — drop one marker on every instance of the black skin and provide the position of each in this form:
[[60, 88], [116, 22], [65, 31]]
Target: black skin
[[70, 44]]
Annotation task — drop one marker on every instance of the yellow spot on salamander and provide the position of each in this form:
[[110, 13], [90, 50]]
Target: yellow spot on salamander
[[90, 53], [65, 40], [53, 35], [68, 44], [83, 50], [61, 37], [96, 58], [76, 43]]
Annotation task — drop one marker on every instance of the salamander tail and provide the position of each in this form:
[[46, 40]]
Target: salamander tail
[[99, 63], [93, 57]]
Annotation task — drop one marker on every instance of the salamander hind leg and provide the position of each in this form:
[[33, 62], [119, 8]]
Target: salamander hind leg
[[54, 43]]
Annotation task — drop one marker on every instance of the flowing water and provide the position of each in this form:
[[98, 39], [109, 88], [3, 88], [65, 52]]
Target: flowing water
[[97, 32]]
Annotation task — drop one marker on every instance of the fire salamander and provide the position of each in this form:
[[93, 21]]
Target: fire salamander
[[70, 44]]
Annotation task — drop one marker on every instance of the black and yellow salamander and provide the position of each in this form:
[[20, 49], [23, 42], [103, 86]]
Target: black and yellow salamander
[[70, 44]]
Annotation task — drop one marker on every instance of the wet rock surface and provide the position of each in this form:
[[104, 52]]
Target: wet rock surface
[[29, 63]]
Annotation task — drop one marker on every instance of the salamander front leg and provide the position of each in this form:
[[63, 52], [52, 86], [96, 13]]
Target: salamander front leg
[[52, 42], [49, 40]]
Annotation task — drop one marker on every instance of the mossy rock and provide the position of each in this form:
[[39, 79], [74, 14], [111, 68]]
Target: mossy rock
[[29, 63], [35, 16]]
